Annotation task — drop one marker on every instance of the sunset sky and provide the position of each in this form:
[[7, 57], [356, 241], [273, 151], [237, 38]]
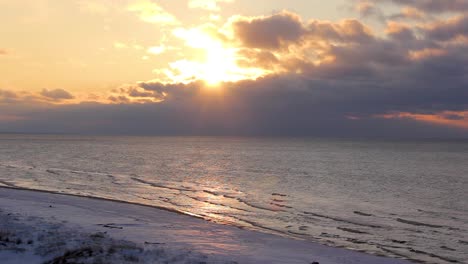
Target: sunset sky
[[235, 67]]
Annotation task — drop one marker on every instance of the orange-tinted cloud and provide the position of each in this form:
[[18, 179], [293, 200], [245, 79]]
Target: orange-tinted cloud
[[445, 118], [426, 53], [6, 94], [399, 31], [57, 94], [410, 13], [46, 96], [136, 94]]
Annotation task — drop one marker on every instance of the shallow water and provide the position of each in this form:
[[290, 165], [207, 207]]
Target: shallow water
[[396, 198]]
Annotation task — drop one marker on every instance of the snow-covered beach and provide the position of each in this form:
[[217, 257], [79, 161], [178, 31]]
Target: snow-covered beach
[[43, 227]]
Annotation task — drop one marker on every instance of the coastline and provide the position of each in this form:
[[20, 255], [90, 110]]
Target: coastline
[[151, 230]]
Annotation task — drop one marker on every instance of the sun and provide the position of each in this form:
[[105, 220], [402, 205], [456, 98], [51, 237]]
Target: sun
[[219, 62], [220, 66]]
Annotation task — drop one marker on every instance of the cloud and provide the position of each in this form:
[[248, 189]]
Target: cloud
[[410, 10], [57, 94], [151, 12], [400, 32], [258, 58], [120, 45], [446, 118], [136, 94], [285, 43], [6, 94], [410, 13], [211, 5], [43, 98], [277, 105], [157, 50], [448, 29], [368, 9], [433, 6], [348, 30], [282, 30], [3, 52], [272, 32], [17, 98]]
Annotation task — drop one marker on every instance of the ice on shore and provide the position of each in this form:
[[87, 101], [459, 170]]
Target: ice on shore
[[32, 240], [39, 227]]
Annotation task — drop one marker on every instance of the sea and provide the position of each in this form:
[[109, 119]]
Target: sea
[[398, 198]]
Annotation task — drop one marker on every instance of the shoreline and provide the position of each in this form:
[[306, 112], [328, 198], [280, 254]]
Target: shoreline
[[168, 230], [103, 199]]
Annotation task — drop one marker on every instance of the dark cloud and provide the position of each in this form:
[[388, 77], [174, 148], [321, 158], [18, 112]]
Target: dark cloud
[[294, 105], [8, 97], [273, 32], [400, 32], [448, 29], [411, 10], [434, 6], [24, 98], [57, 94], [139, 95], [282, 30], [275, 106], [257, 58], [349, 30], [6, 94]]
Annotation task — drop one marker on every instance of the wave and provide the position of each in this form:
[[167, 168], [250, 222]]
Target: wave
[[245, 211]]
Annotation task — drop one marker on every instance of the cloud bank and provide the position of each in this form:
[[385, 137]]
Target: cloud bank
[[325, 78]]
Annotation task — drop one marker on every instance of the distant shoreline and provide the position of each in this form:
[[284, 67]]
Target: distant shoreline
[[266, 136]]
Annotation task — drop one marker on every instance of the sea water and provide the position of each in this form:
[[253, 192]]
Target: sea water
[[397, 198]]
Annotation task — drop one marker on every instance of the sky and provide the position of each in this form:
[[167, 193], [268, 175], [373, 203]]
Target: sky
[[344, 68]]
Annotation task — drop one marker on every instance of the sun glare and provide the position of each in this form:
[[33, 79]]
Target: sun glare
[[219, 63]]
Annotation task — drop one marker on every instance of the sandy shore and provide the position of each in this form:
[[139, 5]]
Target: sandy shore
[[40, 227]]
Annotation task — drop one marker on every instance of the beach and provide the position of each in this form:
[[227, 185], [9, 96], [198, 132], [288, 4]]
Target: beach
[[40, 227]]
